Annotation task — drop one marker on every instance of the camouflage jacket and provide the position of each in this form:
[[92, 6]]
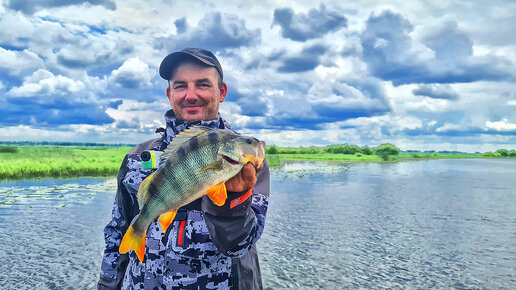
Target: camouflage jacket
[[206, 246]]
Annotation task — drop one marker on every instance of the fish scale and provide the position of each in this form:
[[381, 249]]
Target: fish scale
[[197, 162]]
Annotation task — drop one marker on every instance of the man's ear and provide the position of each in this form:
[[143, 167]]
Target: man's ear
[[168, 94], [223, 92]]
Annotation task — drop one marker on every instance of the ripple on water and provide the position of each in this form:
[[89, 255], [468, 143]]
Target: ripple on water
[[436, 224]]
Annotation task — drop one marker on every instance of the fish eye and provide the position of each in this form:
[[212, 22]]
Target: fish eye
[[248, 141]]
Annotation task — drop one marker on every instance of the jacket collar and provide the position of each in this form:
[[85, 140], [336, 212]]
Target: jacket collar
[[175, 125]]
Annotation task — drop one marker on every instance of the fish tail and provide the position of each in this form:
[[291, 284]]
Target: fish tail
[[133, 241]]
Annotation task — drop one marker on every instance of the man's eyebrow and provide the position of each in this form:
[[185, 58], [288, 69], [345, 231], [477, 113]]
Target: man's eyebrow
[[205, 80], [178, 82]]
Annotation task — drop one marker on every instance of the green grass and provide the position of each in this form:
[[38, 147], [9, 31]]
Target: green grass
[[25, 161], [276, 159], [326, 157], [59, 161]]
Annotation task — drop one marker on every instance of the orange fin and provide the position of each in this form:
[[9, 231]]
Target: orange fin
[[133, 241], [218, 194], [166, 219]]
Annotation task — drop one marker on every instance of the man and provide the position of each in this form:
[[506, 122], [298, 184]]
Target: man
[[206, 246]]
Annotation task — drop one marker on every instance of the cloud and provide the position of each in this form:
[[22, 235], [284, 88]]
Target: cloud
[[306, 60], [448, 43], [501, 126], [301, 27], [181, 25], [344, 100], [45, 99], [93, 51], [443, 56], [215, 31], [19, 60], [436, 91], [31, 6], [40, 114], [133, 73], [44, 83]]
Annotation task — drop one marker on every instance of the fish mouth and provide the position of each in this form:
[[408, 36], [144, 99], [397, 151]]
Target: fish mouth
[[229, 160]]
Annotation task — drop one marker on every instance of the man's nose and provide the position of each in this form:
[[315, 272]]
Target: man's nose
[[191, 92]]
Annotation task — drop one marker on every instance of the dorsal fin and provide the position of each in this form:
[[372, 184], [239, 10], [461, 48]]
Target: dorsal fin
[[180, 139]]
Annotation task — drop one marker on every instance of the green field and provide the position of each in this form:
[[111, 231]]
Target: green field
[[18, 162], [25, 161]]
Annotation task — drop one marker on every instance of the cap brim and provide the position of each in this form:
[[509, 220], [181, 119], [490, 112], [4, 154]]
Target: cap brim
[[171, 61]]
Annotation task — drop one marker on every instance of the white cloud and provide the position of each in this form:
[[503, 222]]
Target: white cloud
[[133, 73], [503, 125], [44, 83], [448, 127], [19, 60]]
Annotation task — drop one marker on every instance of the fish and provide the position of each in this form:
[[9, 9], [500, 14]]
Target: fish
[[197, 162]]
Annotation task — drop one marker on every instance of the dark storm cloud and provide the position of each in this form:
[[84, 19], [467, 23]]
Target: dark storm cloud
[[436, 92], [390, 54], [301, 26], [31, 6]]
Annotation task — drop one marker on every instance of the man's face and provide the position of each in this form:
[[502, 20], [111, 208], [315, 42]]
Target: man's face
[[194, 92]]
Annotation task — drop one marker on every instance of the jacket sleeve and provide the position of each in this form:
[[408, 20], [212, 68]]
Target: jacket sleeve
[[236, 226], [113, 263]]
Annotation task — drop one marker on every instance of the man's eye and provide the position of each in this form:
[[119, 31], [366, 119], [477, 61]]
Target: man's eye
[[178, 87], [203, 85]]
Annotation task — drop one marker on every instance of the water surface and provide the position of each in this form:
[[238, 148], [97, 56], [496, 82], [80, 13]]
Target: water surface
[[406, 225]]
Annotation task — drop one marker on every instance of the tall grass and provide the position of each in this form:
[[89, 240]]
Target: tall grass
[[59, 161]]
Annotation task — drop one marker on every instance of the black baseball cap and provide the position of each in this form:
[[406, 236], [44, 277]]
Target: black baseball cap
[[172, 60]]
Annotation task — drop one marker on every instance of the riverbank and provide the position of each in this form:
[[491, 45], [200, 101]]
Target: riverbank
[[22, 162], [17, 162], [275, 160]]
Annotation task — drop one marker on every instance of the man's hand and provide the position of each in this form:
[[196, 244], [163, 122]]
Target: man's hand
[[245, 179]]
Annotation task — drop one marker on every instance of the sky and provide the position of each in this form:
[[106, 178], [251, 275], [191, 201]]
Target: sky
[[422, 75]]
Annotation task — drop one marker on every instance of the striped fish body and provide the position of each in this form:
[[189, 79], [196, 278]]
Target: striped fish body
[[197, 162]]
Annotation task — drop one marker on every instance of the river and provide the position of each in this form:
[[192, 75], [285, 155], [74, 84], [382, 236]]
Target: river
[[405, 225]]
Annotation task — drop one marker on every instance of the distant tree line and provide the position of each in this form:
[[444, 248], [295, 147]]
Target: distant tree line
[[383, 150], [501, 153]]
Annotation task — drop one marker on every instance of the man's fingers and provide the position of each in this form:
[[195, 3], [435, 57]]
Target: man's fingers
[[244, 180], [249, 175]]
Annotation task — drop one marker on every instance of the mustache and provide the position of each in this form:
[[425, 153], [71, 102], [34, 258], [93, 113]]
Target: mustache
[[192, 103]]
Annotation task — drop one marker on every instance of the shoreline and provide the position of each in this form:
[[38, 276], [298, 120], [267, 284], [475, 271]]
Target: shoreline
[[56, 168]]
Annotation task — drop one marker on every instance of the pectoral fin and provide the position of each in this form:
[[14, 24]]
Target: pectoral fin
[[217, 165], [218, 194], [166, 219]]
